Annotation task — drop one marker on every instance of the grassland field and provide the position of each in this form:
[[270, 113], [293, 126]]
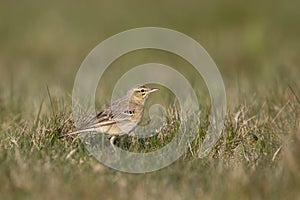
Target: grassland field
[[255, 46]]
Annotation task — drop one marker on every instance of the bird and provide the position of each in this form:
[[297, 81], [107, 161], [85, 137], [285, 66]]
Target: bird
[[121, 116]]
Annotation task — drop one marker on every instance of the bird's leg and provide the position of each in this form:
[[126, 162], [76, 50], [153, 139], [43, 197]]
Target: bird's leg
[[112, 140]]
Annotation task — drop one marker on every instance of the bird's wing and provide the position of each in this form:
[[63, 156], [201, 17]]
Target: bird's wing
[[117, 112], [109, 117]]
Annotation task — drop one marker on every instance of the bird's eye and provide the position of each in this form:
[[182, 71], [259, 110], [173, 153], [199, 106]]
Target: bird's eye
[[142, 90]]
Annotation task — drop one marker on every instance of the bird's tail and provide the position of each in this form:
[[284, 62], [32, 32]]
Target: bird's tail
[[78, 132]]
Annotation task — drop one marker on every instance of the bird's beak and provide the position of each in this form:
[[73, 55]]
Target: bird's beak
[[153, 90]]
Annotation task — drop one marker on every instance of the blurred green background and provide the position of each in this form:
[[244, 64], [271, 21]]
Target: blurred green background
[[254, 44]]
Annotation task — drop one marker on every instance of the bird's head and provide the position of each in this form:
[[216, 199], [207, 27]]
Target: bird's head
[[140, 93]]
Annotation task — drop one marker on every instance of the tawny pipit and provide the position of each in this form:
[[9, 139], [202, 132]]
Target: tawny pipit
[[122, 116]]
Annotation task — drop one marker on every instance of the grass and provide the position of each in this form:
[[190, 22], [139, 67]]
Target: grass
[[257, 157], [34, 162]]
